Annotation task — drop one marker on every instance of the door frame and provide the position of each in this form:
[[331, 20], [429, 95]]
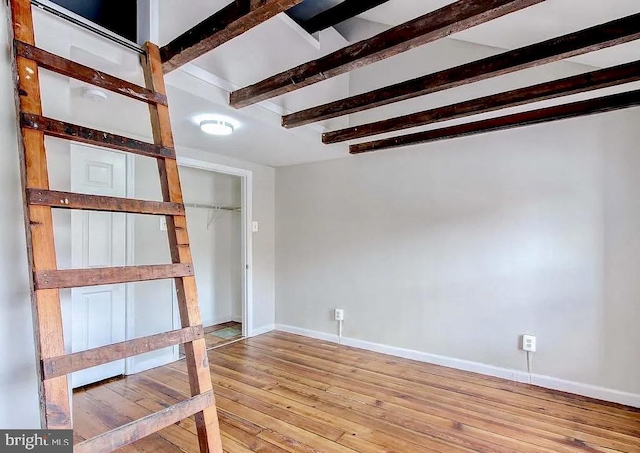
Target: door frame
[[246, 177], [129, 363]]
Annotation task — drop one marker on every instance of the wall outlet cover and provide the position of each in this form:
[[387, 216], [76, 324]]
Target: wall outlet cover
[[529, 343]]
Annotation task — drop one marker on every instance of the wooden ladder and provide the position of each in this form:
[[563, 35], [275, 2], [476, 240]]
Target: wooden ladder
[[53, 363]]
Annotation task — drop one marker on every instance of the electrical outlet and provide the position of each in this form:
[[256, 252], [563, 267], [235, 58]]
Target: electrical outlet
[[338, 314], [529, 343]]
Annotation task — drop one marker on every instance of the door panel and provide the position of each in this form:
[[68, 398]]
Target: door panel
[[98, 240]]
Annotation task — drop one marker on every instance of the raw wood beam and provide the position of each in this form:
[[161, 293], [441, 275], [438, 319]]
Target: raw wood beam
[[590, 81], [69, 200], [338, 14], [599, 37], [137, 429], [78, 278], [561, 112], [77, 71], [95, 137], [70, 363], [438, 24], [228, 23]]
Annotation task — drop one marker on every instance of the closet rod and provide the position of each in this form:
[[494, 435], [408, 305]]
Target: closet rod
[[209, 206]]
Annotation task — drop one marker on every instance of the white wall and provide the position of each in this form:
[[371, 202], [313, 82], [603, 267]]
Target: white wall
[[457, 248], [18, 388]]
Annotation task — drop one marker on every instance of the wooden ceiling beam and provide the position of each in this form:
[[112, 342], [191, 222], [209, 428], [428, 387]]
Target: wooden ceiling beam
[[228, 23], [546, 115], [581, 83], [438, 24], [599, 37], [338, 14]]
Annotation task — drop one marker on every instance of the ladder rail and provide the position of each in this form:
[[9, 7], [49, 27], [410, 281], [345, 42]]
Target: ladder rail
[[55, 412], [96, 276], [54, 364], [70, 363], [207, 424], [63, 66], [85, 202], [81, 134]]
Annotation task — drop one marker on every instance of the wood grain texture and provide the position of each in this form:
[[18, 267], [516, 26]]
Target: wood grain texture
[[55, 412], [280, 392], [338, 14], [150, 424], [207, 424], [73, 132], [599, 37], [581, 83], [78, 278], [546, 115], [438, 24], [70, 363], [231, 21], [69, 200], [86, 74], [213, 341]]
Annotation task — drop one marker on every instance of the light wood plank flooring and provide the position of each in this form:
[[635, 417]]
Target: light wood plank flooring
[[284, 393], [212, 340]]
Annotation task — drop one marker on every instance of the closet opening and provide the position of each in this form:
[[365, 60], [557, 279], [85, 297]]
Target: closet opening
[[217, 219]]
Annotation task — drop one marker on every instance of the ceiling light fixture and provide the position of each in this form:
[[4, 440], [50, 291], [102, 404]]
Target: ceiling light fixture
[[216, 127]]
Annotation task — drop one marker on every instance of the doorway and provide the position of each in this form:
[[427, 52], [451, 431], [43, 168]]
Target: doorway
[[97, 316], [215, 199]]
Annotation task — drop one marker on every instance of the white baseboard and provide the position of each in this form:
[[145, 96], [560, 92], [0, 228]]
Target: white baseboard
[[592, 391], [262, 330], [236, 319]]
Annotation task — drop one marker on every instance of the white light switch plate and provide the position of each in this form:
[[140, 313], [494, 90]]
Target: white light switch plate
[[255, 226]]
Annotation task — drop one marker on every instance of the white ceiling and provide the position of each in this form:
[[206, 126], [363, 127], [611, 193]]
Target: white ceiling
[[536, 23], [279, 45]]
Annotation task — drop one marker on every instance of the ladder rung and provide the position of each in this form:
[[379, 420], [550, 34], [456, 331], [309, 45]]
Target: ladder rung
[[86, 74], [70, 363], [71, 200], [150, 424], [77, 278], [95, 137]]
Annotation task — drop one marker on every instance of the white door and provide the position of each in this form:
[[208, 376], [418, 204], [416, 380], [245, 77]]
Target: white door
[[98, 240]]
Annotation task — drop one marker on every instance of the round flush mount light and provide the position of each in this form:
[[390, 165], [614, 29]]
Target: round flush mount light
[[216, 127], [94, 94]]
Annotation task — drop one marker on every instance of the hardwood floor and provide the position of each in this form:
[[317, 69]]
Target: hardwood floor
[[214, 341], [284, 393]]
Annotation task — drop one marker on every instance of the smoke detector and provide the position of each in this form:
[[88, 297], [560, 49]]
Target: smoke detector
[[94, 94]]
